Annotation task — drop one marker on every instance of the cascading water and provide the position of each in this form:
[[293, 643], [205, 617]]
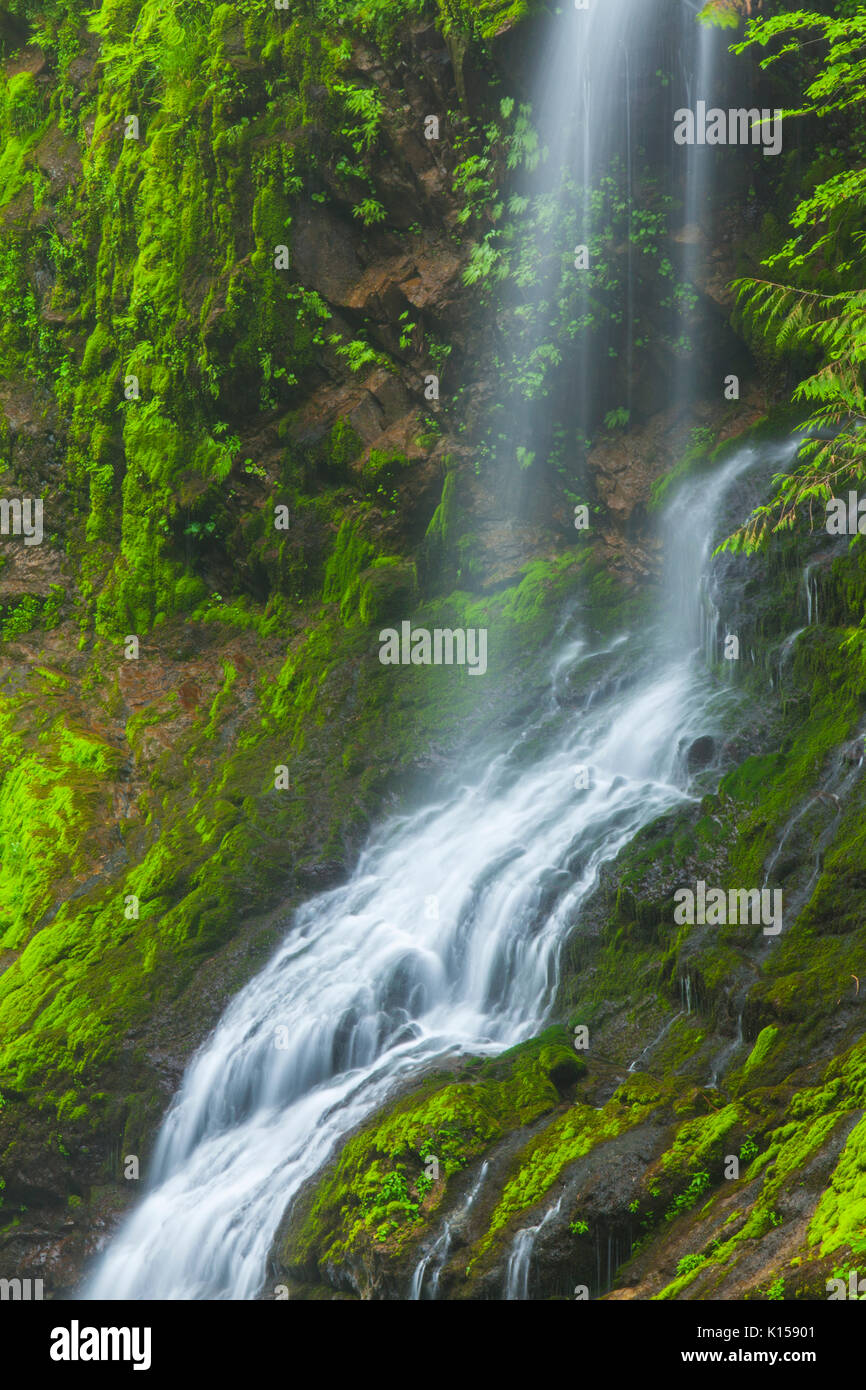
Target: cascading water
[[370, 986], [700, 50], [430, 1266], [595, 65], [721, 1062], [653, 1044], [517, 1272], [811, 586], [368, 989], [686, 993]]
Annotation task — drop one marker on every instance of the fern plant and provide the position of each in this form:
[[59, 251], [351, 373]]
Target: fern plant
[[819, 308]]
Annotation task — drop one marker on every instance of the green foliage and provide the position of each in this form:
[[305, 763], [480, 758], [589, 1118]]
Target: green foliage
[[392, 1191], [365, 104], [617, 419], [686, 1200], [31, 612], [358, 353], [548, 322], [370, 212], [819, 310], [378, 1170], [724, 14]]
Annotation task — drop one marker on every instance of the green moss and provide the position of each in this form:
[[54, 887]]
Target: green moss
[[487, 18], [544, 1159], [51, 796], [762, 1049], [455, 1122], [703, 1142], [443, 524], [351, 554]]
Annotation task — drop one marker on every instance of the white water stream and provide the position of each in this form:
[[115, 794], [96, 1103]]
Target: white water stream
[[369, 987], [446, 938]]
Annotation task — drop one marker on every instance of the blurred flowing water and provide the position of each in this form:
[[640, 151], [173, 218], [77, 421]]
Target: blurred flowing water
[[446, 939], [370, 986]]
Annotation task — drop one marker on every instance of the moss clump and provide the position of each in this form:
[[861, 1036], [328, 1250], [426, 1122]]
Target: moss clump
[[380, 1189], [568, 1138], [761, 1051]]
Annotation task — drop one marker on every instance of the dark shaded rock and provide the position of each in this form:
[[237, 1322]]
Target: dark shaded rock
[[701, 753]]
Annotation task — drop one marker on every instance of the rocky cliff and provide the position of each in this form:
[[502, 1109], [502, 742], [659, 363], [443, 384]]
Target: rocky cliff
[[250, 327]]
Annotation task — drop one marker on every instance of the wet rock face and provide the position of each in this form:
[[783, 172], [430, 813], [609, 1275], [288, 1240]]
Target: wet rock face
[[170, 727], [174, 720], [701, 753]]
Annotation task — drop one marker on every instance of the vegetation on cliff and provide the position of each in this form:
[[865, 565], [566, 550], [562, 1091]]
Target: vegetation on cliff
[[229, 264]]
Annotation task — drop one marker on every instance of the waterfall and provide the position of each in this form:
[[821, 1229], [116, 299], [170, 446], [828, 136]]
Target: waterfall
[[721, 1062], [520, 1258], [653, 1044], [435, 1259], [593, 64], [828, 802], [810, 592], [686, 994], [810, 584], [618, 1248], [701, 47], [369, 989]]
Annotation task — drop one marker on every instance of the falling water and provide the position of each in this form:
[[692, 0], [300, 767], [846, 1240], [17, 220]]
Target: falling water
[[520, 1258], [721, 1062], [822, 810], [611, 1248], [811, 586], [810, 593], [594, 62], [700, 73], [686, 993], [368, 990], [434, 1261], [660, 1036]]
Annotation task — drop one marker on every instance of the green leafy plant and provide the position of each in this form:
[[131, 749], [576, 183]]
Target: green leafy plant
[[366, 104], [370, 212], [407, 331], [727, 14], [818, 308], [358, 353], [617, 419], [686, 1200]]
